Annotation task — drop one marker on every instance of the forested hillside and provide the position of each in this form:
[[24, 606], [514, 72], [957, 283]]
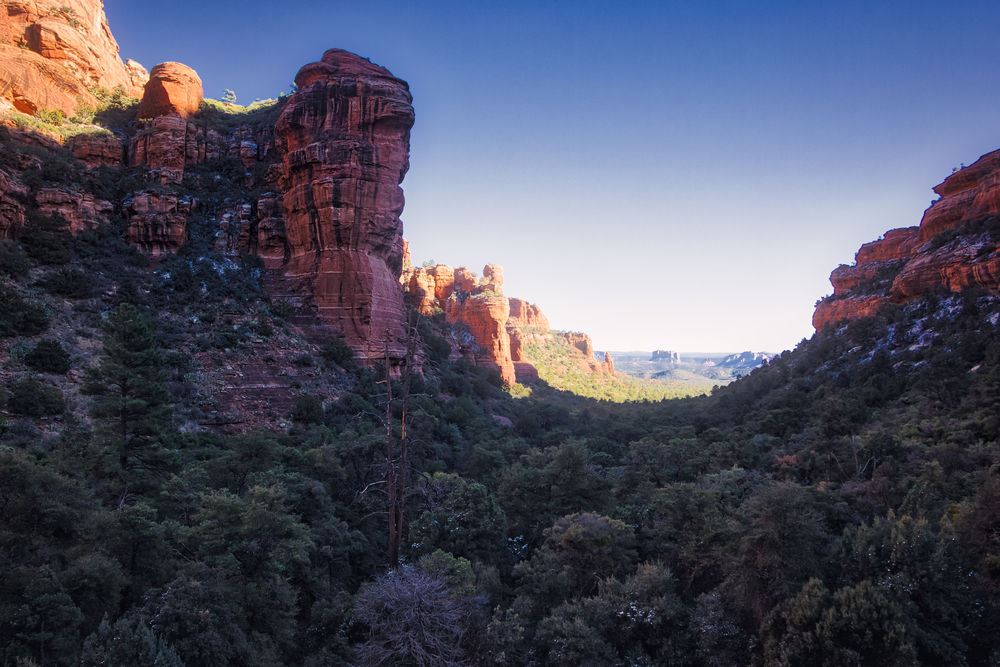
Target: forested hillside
[[841, 501]]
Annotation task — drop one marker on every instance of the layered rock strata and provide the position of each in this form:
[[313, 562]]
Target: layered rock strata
[[344, 136], [909, 262], [82, 211], [50, 55], [157, 221]]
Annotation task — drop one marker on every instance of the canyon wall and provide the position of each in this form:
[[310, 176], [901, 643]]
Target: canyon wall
[[314, 189], [956, 245]]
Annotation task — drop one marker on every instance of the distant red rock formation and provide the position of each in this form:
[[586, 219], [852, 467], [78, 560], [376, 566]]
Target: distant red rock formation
[[525, 315], [909, 262], [501, 326]]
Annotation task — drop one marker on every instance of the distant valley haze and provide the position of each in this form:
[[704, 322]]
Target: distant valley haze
[[646, 172]]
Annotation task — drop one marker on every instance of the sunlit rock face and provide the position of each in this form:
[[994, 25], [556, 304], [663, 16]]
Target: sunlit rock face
[[172, 88], [956, 246], [500, 326], [345, 138], [52, 53]]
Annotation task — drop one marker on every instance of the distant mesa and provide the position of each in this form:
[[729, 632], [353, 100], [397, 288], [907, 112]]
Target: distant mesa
[[954, 247], [666, 355], [746, 360]]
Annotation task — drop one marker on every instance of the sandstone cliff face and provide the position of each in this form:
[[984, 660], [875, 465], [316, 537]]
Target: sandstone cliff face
[[95, 150], [486, 317], [13, 198], [525, 315], [970, 193], [909, 262], [344, 136], [51, 53]]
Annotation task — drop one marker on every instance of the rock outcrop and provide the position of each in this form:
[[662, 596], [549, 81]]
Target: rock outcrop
[[51, 54], [524, 315], [344, 136], [13, 197], [666, 355], [162, 146], [486, 317], [82, 211], [157, 221], [95, 150], [909, 262], [172, 89]]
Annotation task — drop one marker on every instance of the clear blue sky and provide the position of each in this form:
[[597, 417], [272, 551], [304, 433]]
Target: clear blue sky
[[656, 174]]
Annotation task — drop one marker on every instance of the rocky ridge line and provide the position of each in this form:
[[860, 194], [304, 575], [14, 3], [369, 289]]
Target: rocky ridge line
[[956, 245]]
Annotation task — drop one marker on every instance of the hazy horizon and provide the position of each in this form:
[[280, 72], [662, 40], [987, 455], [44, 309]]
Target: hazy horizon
[[648, 172]]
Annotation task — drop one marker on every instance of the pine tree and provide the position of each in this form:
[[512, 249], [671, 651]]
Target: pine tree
[[129, 385], [126, 643]]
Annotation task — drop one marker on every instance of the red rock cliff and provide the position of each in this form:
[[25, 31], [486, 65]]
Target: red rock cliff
[[908, 262], [345, 139], [50, 53]]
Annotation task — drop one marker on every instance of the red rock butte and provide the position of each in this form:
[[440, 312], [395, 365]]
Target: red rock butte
[[909, 262]]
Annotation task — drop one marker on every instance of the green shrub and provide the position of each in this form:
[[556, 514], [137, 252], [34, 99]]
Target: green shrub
[[304, 360], [31, 398], [282, 309], [19, 317], [46, 238], [51, 116], [308, 410], [13, 262], [48, 357], [70, 283], [337, 351]]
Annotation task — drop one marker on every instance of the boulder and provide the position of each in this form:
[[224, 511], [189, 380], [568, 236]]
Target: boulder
[[172, 89]]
